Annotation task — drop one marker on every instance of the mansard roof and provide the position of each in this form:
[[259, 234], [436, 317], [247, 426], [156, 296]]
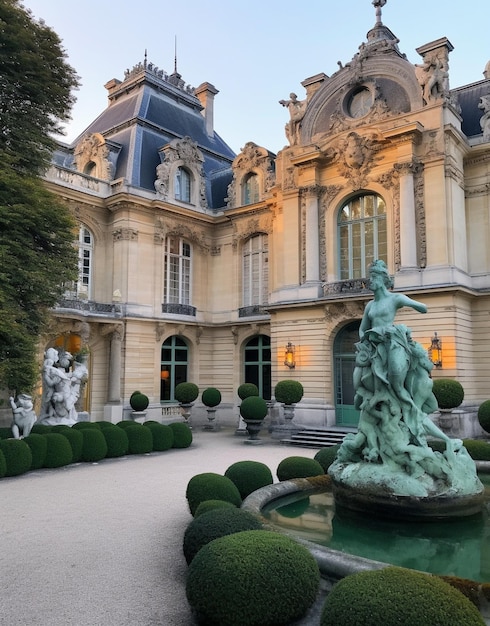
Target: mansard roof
[[149, 109]]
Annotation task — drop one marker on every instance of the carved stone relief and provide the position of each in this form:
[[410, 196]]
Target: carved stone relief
[[245, 228], [173, 228], [91, 156], [356, 158], [252, 159]]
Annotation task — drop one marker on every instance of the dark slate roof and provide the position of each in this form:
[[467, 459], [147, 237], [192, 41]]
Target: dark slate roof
[[146, 112], [469, 98]]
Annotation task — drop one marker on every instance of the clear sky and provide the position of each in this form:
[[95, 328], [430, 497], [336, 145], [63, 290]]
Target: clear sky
[[255, 52]]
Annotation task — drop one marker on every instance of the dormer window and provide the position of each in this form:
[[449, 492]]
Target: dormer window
[[90, 169], [250, 189], [182, 185]]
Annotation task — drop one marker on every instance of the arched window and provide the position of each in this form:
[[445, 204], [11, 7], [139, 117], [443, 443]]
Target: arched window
[[90, 169], [256, 270], [173, 367], [182, 185], [250, 189], [82, 288], [362, 235], [257, 354], [177, 271]]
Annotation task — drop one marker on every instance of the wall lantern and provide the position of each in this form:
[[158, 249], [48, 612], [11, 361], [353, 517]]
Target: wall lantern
[[435, 351], [289, 356]]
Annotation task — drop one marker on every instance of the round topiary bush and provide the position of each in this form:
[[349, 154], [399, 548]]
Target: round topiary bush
[[140, 439], [38, 445], [94, 446], [214, 524], [211, 397], [245, 390], [3, 464], [75, 437], [449, 393], [253, 408], [182, 435], [394, 596], [256, 578], [298, 467], [18, 456], [58, 451], [84, 425], [484, 415], [163, 436], [139, 401], [41, 429], [117, 441], [288, 391], [326, 456], [185, 393], [211, 505], [211, 486], [478, 449], [57, 428], [6, 432], [127, 423], [104, 424], [249, 476]]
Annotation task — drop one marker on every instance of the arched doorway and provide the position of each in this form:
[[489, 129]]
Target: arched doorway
[[173, 367], [257, 357], [344, 363]]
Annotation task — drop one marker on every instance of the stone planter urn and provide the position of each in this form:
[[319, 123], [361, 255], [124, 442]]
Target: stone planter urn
[[211, 397], [185, 394], [253, 410], [253, 429], [186, 412]]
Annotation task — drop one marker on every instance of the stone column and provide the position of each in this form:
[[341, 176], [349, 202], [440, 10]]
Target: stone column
[[408, 230], [114, 382]]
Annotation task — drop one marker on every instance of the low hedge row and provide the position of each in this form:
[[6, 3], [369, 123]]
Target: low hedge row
[[89, 442]]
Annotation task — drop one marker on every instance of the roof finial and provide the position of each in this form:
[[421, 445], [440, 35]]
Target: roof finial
[[378, 4], [146, 58], [175, 54]]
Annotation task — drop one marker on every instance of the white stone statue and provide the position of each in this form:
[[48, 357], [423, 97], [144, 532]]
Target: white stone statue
[[24, 417], [297, 109], [484, 104]]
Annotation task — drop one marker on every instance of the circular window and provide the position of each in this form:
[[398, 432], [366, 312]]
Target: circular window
[[360, 102]]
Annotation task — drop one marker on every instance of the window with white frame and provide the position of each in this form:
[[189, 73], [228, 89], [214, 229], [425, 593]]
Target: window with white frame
[[256, 270], [82, 287], [362, 235], [177, 271], [250, 189], [182, 186]]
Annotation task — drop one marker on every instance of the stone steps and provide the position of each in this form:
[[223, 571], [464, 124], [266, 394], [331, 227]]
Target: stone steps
[[318, 437]]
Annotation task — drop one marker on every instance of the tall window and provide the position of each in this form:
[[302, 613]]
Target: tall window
[[256, 270], [173, 367], [183, 185], [250, 189], [82, 287], [257, 355], [362, 235], [177, 271]]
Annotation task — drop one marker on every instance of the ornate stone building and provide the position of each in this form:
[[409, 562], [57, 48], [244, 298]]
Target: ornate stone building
[[198, 264]]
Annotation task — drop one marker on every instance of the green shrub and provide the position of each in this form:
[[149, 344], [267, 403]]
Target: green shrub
[[104, 424], [127, 423], [84, 425], [38, 445], [211, 397], [75, 437], [3, 464], [484, 415], [41, 429], [139, 401], [253, 408], [449, 393], [298, 467], [210, 486], [288, 391], [163, 436], [185, 393], [214, 524], [252, 578], [249, 476], [140, 439], [58, 452], [57, 428], [6, 432], [326, 456], [394, 596], [117, 441], [94, 445], [18, 456], [211, 505], [245, 390], [182, 435], [438, 445], [478, 449]]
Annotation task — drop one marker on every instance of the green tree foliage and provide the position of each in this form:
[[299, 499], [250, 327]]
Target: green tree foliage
[[36, 229], [36, 86]]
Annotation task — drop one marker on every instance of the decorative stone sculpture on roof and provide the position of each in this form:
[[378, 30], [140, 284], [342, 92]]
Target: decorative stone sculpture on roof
[[91, 157], [484, 104], [252, 159], [297, 109]]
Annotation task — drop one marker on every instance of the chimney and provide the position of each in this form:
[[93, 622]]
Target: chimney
[[206, 93]]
